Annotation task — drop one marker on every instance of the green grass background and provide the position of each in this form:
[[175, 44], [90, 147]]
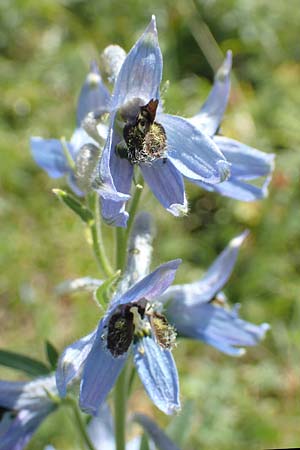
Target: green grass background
[[45, 49]]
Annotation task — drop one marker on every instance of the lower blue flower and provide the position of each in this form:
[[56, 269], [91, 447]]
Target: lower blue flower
[[130, 323]]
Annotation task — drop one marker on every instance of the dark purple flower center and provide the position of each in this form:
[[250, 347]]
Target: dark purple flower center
[[132, 322], [144, 139]]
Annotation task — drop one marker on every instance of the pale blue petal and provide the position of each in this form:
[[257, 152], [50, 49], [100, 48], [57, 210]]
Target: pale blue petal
[[100, 373], [238, 189], [79, 138], [135, 444], [139, 78], [166, 183], [157, 370], [105, 181], [215, 326], [73, 184], [212, 282], [113, 212], [78, 284], [193, 153], [246, 162], [29, 395], [49, 155], [159, 437], [141, 72], [210, 115], [21, 430], [101, 429], [94, 95], [10, 392], [151, 286], [71, 361]]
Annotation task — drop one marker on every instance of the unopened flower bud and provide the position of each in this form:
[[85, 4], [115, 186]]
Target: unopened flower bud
[[85, 163], [91, 123], [112, 59]]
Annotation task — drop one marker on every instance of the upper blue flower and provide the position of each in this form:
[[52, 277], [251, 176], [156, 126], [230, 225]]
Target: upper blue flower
[[199, 310], [23, 407], [247, 163], [59, 159], [165, 147], [130, 322]]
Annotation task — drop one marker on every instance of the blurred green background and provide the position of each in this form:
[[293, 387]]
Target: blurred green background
[[46, 47]]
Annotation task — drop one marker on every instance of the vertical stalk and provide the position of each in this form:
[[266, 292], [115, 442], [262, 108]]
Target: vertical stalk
[[134, 204], [120, 248], [122, 386], [98, 239], [120, 399], [80, 425]]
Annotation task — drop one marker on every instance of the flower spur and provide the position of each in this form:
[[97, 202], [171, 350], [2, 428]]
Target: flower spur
[[200, 311], [247, 164]]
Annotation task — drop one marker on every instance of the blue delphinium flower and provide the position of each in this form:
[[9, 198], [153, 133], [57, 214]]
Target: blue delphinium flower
[[164, 147], [199, 310], [58, 158], [23, 407], [129, 322], [247, 163]]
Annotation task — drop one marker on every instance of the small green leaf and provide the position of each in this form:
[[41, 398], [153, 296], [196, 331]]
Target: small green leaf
[[28, 365], [144, 442], [105, 292], [82, 211], [52, 354]]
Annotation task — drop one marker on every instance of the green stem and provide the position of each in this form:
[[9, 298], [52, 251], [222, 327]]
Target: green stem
[[124, 381], [97, 238], [120, 248], [120, 398], [67, 153], [134, 204], [80, 425]]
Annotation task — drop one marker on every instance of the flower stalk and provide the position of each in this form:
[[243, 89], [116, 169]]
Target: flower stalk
[[97, 238], [134, 204], [120, 400], [80, 424]]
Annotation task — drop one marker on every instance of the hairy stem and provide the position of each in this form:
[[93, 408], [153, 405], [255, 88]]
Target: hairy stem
[[134, 204], [97, 238], [80, 425], [120, 399]]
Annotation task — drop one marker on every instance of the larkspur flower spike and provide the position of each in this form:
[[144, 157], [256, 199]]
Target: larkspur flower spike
[[165, 148]]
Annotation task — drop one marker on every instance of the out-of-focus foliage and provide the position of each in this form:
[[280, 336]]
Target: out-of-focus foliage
[[45, 48]]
